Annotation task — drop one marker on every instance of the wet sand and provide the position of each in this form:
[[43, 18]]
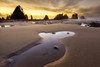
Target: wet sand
[[83, 48], [49, 50]]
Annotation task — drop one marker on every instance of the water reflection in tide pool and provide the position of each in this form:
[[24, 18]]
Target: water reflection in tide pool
[[55, 36], [43, 53]]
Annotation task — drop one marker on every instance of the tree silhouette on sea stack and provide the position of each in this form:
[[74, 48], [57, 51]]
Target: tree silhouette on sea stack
[[18, 13]]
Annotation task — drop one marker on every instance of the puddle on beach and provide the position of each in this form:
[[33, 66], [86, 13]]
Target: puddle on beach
[[1, 26], [48, 51]]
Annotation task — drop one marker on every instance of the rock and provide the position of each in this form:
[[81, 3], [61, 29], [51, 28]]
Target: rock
[[2, 25], [82, 17], [65, 16], [2, 18], [31, 17], [53, 32], [67, 32], [18, 13], [56, 47], [61, 16], [8, 17], [75, 16], [46, 17], [94, 24]]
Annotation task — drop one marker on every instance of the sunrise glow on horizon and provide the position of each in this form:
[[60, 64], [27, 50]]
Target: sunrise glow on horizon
[[40, 8], [37, 14]]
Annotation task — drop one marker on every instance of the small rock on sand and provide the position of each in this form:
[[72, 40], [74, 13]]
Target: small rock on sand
[[56, 47]]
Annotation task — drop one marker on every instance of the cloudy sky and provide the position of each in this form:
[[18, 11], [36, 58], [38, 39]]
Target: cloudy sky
[[39, 8]]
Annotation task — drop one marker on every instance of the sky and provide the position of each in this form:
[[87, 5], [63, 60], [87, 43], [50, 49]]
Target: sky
[[40, 8]]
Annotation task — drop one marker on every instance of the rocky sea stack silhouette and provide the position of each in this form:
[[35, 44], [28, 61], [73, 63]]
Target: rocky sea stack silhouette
[[75, 16], [46, 17], [61, 16], [82, 17], [18, 13]]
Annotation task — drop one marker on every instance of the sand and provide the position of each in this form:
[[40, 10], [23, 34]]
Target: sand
[[82, 49], [43, 53]]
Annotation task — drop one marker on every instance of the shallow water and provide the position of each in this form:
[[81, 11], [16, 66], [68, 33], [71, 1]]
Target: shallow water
[[1, 26], [43, 53]]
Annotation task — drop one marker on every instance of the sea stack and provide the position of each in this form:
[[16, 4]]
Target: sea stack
[[75, 16], [18, 13], [82, 17], [46, 17], [65, 16], [61, 16]]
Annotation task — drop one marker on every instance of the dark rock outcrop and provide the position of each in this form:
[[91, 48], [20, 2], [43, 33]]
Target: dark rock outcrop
[[75, 16], [18, 13], [31, 17], [26, 17], [2, 18], [65, 16], [82, 17], [61, 16], [46, 17], [94, 24], [8, 17]]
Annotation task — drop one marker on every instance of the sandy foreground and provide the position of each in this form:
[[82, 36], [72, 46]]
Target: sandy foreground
[[82, 49]]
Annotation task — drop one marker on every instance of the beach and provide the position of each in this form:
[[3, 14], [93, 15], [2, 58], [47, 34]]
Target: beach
[[82, 49]]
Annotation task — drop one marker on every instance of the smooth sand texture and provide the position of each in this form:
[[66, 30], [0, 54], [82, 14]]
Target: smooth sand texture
[[83, 48]]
